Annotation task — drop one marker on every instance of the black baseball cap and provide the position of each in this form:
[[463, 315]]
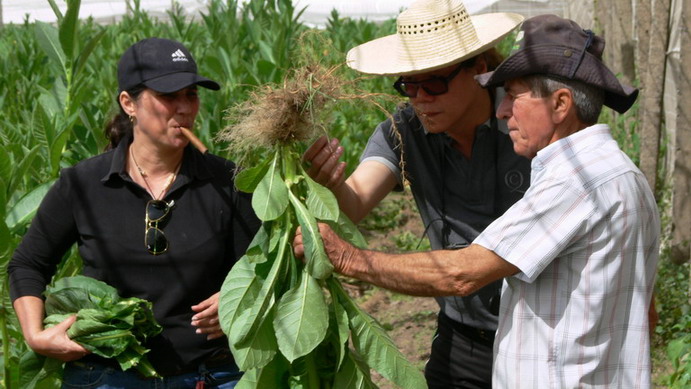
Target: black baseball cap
[[163, 65], [551, 45]]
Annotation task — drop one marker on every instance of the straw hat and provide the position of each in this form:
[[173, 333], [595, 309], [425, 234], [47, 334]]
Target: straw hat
[[431, 34]]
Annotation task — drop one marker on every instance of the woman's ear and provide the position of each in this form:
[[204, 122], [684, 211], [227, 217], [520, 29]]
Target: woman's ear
[[127, 103]]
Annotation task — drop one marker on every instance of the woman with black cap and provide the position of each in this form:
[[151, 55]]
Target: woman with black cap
[[195, 227]]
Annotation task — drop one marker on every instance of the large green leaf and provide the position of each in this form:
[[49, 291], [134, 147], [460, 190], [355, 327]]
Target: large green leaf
[[271, 376], [86, 51], [25, 209], [238, 292], [347, 230], [270, 198], [5, 246], [69, 28], [22, 167], [302, 318], [258, 250], [378, 350], [39, 371], [261, 346], [353, 375], [318, 264], [5, 165], [248, 179], [339, 319], [48, 39], [321, 201], [241, 331]]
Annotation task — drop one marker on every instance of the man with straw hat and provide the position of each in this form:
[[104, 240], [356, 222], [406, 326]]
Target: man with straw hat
[[457, 158], [579, 251]]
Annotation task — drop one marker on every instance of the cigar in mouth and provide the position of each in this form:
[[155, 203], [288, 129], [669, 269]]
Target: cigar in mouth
[[194, 140]]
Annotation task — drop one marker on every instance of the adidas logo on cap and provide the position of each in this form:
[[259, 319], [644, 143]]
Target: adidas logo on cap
[[178, 56]]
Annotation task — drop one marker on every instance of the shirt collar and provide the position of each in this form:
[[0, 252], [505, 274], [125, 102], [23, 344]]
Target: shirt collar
[[194, 166], [563, 149]]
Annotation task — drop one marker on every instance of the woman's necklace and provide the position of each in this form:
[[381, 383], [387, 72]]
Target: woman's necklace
[[143, 174]]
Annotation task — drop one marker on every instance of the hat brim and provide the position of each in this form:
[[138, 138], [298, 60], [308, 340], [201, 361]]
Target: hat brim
[[174, 82], [554, 62], [380, 56]]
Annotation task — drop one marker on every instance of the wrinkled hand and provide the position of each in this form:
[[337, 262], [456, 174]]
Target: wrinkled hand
[[340, 253], [206, 317], [53, 342], [324, 166]]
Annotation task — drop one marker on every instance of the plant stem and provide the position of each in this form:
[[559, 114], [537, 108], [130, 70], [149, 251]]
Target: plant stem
[[313, 381]]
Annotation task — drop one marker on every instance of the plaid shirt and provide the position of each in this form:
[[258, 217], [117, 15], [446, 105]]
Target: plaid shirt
[[585, 237]]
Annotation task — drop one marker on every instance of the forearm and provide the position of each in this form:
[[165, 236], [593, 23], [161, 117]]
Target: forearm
[[350, 202], [364, 189], [432, 273], [30, 312]]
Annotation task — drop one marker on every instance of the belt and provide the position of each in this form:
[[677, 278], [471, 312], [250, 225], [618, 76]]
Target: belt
[[473, 333]]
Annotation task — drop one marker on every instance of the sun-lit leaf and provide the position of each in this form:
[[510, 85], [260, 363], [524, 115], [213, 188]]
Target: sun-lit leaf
[[339, 319], [261, 347], [238, 292], [271, 195], [318, 264], [345, 228], [68, 29], [321, 202], [25, 209], [353, 375], [248, 179], [302, 318], [377, 349], [241, 332]]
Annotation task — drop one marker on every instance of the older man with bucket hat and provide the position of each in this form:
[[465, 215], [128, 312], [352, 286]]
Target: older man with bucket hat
[[579, 250], [457, 158]]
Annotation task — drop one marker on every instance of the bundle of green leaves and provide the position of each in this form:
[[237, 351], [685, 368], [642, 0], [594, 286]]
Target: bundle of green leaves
[[290, 324], [107, 325]]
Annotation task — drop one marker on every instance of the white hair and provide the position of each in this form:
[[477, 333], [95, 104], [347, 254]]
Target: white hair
[[588, 99]]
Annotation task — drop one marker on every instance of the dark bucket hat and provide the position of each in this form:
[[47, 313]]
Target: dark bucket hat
[[551, 45], [163, 65]]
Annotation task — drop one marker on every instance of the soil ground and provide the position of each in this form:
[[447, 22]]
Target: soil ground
[[395, 226]]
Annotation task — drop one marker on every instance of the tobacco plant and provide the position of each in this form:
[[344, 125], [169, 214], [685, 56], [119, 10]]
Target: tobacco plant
[[289, 323]]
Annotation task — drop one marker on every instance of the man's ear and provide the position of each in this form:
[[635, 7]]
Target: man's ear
[[562, 102], [480, 64], [127, 103]]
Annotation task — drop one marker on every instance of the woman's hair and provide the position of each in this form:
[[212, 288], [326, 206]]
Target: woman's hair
[[588, 99], [120, 125]]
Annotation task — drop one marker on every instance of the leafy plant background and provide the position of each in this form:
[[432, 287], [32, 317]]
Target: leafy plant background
[[57, 90]]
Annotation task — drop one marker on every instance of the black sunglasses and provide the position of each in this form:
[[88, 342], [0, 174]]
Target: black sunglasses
[[434, 86], [154, 238]]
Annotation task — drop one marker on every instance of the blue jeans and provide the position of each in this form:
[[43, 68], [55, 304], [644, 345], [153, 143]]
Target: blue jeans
[[92, 375]]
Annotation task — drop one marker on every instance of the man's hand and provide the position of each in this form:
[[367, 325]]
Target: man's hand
[[324, 166], [206, 318], [53, 342], [341, 253]]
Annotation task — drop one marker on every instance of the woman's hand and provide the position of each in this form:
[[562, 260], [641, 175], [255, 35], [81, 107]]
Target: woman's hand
[[53, 342], [324, 166], [206, 318]]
